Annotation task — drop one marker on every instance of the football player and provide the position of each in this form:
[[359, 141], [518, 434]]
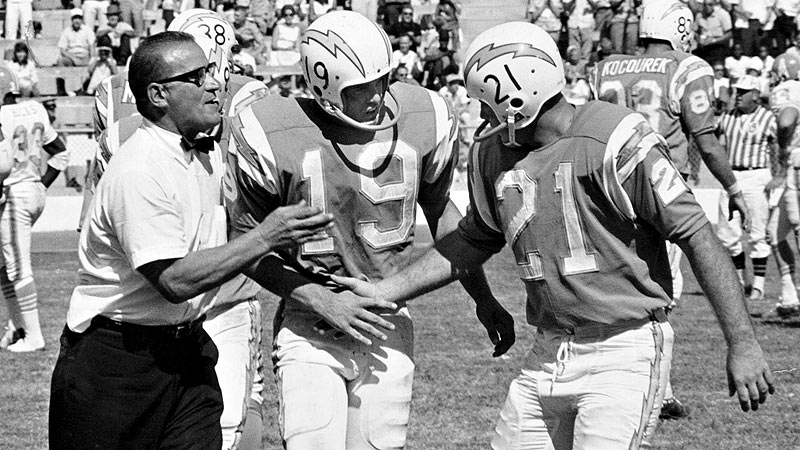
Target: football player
[[235, 321], [369, 154], [27, 128], [674, 90], [785, 217], [585, 197]]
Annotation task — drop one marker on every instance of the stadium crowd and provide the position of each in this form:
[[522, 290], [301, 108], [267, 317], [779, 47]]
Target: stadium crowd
[[752, 49]]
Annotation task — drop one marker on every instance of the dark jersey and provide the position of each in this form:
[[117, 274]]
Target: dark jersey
[[586, 217]]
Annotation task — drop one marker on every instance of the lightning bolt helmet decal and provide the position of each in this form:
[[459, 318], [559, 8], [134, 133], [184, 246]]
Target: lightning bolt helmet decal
[[492, 51]]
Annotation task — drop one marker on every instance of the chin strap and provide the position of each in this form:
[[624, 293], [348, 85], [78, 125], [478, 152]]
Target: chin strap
[[334, 110], [510, 124]]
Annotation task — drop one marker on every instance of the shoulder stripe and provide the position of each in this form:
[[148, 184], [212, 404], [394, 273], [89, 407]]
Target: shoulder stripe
[[255, 156], [446, 134], [626, 148], [689, 70]]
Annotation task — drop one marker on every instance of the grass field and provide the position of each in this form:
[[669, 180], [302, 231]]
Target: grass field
[[458, 386]]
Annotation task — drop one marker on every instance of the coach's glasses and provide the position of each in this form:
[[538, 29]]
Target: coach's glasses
[[197, 76]]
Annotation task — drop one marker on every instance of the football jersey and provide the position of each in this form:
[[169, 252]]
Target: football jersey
[[113, 100], [673, 91], [586, 217], [27, 126], [288, 150]]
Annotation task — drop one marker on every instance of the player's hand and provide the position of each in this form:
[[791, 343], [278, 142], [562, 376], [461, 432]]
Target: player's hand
[[748, 375], [737, 203], [289, 226], [353, 314], [499, 325]]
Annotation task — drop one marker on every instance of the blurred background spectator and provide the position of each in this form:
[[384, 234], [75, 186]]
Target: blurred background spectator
[[407, 57], [25, 70], [405, 26], [132, 13], [245, 64], [737, 63], [101, 66], [713, 32], [401, 74], [248, 35], [119, 34], [76, 42], [94, 13], [286, 38], [19, 14], [546, 14]]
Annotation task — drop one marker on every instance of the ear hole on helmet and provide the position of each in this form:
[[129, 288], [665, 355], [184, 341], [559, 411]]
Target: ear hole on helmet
[[535, 92], [516, 103]]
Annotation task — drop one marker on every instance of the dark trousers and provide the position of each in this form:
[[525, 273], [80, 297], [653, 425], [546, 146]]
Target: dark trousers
[[127, 389], [750, 37], [783, 32]]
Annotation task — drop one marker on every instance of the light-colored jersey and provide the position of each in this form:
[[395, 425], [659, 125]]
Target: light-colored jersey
[[673, 91], [28, 128], [113, 100], [585, 216], [287, 150], [787, 95]]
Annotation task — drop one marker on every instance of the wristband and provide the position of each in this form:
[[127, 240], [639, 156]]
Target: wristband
[[733, 189]]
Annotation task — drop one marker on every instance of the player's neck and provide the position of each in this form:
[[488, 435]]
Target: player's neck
[[656, 48], [553, 122]]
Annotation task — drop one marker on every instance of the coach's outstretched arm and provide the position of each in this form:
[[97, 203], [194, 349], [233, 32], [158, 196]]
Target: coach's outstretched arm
[[181, 279], [748, 372]]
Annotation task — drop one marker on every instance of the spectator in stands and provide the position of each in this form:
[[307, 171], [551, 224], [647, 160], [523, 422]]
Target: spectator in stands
[[406, 56], [736, 64], [367, 8], [405, 26], [713, 32], [785, 28], [438, 60], [546, 14], [248, 35], [243, 62], [624, 29], [430, 37], [764, 61], [25, 70], [168, 11], [119, 33], [94, 13], [286, 38], [401, 74], [580, 24], [102, 66], [132, 13], [392, 10], [19, 16], [284, 87], [577, 90], [447, 12], [750, 17], [722, 89], [76, 42], [603, 16]]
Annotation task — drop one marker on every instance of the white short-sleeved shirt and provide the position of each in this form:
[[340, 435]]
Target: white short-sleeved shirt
[[154, 202]]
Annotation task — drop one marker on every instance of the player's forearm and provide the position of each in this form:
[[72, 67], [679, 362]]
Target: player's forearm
[[713, 154], [273, 275], [717, 277], [430, 272]]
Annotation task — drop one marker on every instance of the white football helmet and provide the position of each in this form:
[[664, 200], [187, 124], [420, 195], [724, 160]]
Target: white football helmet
[[786, 67], [342, 49], [214, 35], [669, 21], [513, 68]]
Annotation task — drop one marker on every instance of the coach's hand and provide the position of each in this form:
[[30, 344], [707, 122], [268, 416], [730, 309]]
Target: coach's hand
[[499, 324], [289, 226], [353, 314], [749, 375]]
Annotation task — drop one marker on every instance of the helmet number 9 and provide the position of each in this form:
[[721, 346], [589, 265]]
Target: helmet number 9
[[322, 73], [497, 98]]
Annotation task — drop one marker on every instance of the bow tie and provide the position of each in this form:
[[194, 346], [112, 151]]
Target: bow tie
[[202, 143]]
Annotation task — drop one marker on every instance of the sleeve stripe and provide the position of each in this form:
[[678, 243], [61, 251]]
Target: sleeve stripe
[[628, 141], [255, 153], [689, 70], [476, 188], [446, 134]]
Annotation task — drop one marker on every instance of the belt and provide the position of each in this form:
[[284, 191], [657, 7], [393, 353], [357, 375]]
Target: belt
[[179, 331], [740, 168]]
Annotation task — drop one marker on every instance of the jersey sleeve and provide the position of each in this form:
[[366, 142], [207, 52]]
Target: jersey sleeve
[[251, 171], [102, 103], [439, 165], [642, 183], [692, 93], [480, 227]]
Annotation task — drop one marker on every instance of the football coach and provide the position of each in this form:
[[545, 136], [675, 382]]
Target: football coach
[[136, 369]]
